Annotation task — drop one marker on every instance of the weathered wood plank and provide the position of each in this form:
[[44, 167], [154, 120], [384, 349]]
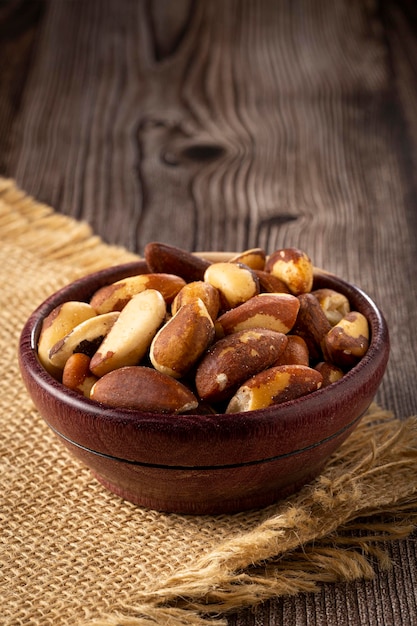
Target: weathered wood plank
[[19, 25]]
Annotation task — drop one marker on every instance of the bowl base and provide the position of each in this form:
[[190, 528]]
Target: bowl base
[[216, 507]]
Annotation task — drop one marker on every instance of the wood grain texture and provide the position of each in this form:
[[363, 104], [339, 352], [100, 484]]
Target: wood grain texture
[[18, 27], [224, 125]]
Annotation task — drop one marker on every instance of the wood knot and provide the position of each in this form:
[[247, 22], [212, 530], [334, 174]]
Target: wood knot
[[203, 152], [197, 153]]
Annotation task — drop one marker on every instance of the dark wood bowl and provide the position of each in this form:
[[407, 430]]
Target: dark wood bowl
[[205, 464]]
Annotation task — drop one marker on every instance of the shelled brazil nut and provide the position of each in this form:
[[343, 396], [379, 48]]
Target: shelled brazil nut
[[199, 335]]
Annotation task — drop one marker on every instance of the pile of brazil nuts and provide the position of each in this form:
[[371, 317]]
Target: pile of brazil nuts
[[199, 336]]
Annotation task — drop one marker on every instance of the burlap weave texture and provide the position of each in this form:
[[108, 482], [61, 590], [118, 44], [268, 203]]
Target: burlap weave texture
[[72, 553]]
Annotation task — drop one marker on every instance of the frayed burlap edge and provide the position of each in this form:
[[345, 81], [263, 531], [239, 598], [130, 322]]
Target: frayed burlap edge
[[35, 227], [335, 529]]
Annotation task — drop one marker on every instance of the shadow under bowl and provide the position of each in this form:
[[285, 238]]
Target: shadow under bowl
[[205, 464]]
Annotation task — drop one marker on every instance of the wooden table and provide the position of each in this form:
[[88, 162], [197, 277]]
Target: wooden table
[[227, 124]]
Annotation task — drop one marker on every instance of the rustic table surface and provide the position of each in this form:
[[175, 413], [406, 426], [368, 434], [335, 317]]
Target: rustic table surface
[[227, 125]]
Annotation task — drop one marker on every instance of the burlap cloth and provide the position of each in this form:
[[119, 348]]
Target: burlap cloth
[[72, 553]]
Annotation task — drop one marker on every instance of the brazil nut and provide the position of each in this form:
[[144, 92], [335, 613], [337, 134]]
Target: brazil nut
[[234, 359], [311, 324], [198, 289], [347, 342], [276, 311], [57, 325], [114, 297], [178, 345], [254, 258], [236, 283], [77, 375], [145, 389], [293, 267], [335, 305], [274, 386], [295, 352], [161, 257], [86, 337], [131, 334]]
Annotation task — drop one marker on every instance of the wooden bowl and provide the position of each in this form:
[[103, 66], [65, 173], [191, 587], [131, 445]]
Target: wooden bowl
[[205, 464]]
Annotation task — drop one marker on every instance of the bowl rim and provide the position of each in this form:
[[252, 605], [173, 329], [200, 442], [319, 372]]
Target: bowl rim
[[377, 353]]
